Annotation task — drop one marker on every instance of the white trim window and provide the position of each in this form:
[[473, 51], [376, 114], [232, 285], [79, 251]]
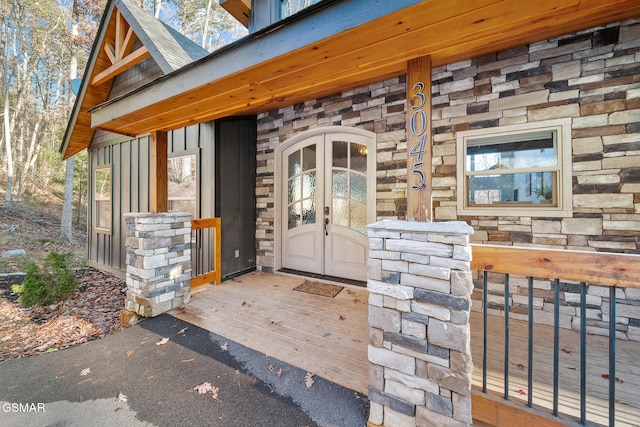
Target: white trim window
[[519, 170], [182, 184], [103, 213]]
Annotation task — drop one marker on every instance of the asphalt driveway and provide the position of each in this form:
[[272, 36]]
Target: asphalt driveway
[[195, 378]]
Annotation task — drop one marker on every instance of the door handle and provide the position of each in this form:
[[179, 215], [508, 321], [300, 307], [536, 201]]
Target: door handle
[[326, 222]]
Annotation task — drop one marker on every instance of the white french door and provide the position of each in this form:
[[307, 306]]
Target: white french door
[[328, 188]]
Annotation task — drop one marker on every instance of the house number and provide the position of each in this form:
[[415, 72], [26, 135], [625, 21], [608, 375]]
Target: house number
[[418, 125]]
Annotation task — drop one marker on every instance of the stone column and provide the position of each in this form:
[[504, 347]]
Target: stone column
[[158, 261], [419, 337]]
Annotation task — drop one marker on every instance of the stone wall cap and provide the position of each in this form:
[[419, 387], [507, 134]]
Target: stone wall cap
[[155, 214], [446, 227]]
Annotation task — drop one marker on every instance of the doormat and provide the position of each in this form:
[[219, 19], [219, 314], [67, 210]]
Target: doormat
[[317, 288]]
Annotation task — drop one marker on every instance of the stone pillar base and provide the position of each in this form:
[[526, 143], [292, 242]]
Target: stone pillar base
[[158, 261], [419, 284]]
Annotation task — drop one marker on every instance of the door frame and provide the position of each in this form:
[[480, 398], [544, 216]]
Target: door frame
[[278, 179]]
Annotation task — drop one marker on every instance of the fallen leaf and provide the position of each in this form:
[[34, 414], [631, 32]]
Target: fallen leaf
[[129, 353], [308, 379], [181, 331], [280, 371], [207, 388], [188, 360], [244, 303], [564, 350], [521, 366], [85, 371], [270, 368], [618, 380], [522, 392], [163, 341], [122, 398], [203, 388], [224, 346], [342, 317]]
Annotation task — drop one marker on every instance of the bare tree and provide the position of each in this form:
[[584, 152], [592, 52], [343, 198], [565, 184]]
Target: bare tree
[[66, 225]]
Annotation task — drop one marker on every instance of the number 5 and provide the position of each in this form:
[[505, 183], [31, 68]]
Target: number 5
[[418, 172]]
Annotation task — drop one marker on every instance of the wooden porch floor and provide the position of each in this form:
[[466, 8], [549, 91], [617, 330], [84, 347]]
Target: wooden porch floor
[[328, 337], [325, 336]]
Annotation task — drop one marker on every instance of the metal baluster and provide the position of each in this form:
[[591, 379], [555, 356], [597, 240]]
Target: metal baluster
[[612, 355], [530, 349], [506, 337], [484, 332], [583, 353], [556, 343]]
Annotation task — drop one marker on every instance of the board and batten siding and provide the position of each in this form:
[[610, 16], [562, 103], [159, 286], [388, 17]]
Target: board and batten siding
[[128, 160]]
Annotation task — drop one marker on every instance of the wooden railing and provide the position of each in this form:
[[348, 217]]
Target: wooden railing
[[561, 269], [206, 265]]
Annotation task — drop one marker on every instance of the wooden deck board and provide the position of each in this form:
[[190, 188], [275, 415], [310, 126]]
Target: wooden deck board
[[261, 311], [628, 370], [306, 331]]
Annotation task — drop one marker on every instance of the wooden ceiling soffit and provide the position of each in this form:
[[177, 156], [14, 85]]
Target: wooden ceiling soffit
[[119, 52], [239, 9], [378, 50]]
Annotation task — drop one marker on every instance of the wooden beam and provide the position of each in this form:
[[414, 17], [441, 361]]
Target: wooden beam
[[419, 152], [495, 411], [593, 267], [118, 67], [239, 9], [159, 186]]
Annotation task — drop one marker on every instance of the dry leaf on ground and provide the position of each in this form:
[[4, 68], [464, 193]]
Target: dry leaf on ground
[[308, 379], [163, 341], [92, 312], [203, 388], [122, 398], [206, 387], [85, 371], [182, 331]]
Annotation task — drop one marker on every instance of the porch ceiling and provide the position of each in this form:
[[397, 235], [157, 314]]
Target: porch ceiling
[[447, 30]]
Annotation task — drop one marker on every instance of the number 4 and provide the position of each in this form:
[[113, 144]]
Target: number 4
[[418, 149]]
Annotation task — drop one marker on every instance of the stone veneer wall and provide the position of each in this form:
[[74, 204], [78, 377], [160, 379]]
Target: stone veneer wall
[[419, 337], [378, 108], [592, 77], [158, 261]]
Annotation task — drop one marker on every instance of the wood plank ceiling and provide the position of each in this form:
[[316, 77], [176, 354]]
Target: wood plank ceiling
[[448, 30]]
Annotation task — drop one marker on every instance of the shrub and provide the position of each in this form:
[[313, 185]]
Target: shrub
[[55, 283]]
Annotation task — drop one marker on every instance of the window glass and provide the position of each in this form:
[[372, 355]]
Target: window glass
[[517, 170], [182, 184], [102, 197], [520, 170], [290, 7], [301, 187]]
